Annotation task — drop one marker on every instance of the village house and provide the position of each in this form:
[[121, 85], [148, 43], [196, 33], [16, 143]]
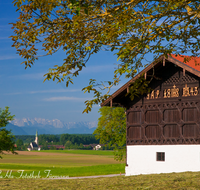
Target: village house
[[96, 146], [57, 147], [163, 132]]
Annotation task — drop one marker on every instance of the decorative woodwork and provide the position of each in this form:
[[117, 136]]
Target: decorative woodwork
[[169, 114], [171, 118]]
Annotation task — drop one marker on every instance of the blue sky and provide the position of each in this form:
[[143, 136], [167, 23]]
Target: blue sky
[[26, 94]]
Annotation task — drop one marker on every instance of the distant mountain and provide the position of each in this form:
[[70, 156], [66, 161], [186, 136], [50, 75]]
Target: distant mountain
[[55, 126], [15, 129]]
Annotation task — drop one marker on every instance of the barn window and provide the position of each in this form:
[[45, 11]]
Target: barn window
[[160, 156]]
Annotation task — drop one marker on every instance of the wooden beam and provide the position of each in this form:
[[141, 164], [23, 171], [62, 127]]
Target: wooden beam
[[145, 76], [184, 72], [111, 103], [182, 65], [127, 89], [163, 61]]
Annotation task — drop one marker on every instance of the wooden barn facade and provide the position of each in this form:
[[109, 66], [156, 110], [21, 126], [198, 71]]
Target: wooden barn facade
[[163, 127]]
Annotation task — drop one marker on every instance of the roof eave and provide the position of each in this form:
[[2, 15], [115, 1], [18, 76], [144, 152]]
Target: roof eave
[[162, 57], [125, 86]]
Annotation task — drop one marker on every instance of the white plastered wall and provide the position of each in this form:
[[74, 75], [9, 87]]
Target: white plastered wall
[[141, 159]]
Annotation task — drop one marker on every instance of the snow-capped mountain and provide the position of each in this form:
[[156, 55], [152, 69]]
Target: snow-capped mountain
[[55, 126]]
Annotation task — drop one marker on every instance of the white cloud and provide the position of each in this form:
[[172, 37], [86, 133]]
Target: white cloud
[[6, 57], [31, 76], [64, 98], [98, 68], [35, 76], [5, 27], [44, 91], [14, 93], [4, 38], [54, 91]]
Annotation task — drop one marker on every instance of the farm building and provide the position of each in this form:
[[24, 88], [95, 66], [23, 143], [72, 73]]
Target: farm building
[[163, 126], [57, 147], [96, 146]]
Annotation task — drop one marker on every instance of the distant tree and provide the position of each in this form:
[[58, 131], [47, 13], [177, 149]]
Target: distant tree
[[111, 130], [19, 144], [68, 144], [64, 138], [88, 147], [7, 142], [46, 138], [81, 146], [52, 148], [45, 146]]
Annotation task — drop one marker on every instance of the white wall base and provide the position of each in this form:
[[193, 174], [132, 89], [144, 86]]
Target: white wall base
[[141, 159]]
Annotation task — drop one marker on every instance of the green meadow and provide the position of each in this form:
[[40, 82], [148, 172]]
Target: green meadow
[[32, 170], [70, 163], [181, 181], [87, 152]]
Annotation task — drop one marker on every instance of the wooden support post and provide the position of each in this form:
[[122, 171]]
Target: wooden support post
[[184, 72], [127, 89], [163, 61], [111, 103], [145, 76]]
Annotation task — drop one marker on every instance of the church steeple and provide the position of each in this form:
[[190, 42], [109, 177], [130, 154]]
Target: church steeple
[[36, 138]]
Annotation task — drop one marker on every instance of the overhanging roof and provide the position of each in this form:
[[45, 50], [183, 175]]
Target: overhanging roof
[[191, 64]]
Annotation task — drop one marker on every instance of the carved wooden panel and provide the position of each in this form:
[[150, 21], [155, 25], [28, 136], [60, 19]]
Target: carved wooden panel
[[134, 117], [134, 132], [172, 80], [173, 123], [152, 131], [171, 115], [178, 77], [152, 116], [188, 78], [171, 131], [189, 130], [189, 114]]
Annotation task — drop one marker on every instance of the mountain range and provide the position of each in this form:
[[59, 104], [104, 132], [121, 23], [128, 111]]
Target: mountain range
[[27, 126]]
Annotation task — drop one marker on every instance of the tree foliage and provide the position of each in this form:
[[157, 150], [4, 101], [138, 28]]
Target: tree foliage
[[6, 138], [48, 139], [61, 139], [78, 139], [19, 142], [111, 130], [131, 29]]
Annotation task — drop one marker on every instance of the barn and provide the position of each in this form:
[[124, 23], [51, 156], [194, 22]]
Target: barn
[[163, 126]]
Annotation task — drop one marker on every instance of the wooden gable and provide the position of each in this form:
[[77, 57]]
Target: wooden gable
[[169, 114]]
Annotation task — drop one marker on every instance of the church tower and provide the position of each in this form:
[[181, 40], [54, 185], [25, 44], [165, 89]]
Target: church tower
[[36, 138]]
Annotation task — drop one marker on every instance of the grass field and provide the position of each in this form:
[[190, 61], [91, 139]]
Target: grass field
[[87, 152], [80, 163], [59, 163], [181, 181]]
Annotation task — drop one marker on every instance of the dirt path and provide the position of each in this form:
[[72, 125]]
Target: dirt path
[[96, 176]]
